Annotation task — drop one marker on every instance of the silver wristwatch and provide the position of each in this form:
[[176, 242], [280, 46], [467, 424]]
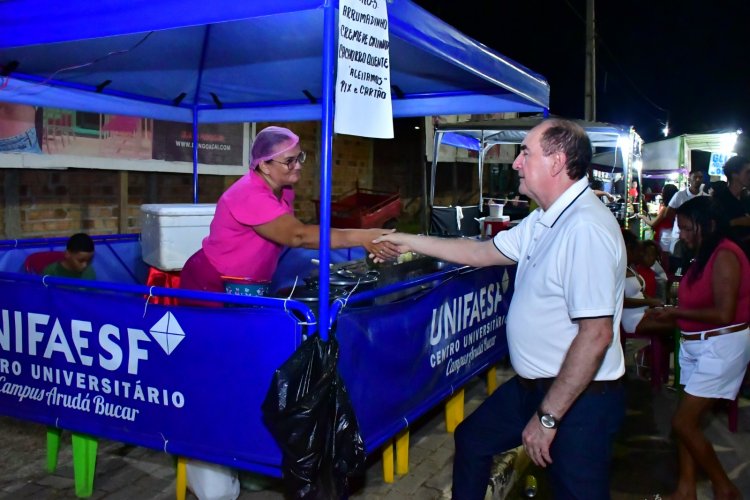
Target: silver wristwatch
[[547, 420]]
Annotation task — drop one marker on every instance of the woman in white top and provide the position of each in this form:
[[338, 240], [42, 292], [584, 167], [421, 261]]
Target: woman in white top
[[636, 302]]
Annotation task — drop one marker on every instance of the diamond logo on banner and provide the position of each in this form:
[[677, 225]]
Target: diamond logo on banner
[[167, 332]]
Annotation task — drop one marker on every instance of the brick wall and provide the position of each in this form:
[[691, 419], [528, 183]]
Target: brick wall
[[61, 202], [46, 203]]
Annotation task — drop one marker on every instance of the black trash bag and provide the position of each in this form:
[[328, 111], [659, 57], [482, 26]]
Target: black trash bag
[[309, 414]]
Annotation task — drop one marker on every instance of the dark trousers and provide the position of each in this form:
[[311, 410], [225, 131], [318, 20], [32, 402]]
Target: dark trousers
[[581, 451]]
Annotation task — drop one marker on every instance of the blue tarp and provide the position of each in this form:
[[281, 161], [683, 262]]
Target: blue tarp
[[256, 58]]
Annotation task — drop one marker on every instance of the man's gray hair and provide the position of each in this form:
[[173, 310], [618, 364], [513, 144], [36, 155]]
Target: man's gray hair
[[567, 136]]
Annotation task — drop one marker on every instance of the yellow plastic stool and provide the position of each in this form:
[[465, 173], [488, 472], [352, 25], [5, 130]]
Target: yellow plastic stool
[[491, 380], [181, 479], [454, 411], [388, 462], [402, 456], [402, 452]]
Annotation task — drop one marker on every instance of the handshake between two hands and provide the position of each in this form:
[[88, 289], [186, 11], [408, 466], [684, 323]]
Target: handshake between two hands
[[385, 245]]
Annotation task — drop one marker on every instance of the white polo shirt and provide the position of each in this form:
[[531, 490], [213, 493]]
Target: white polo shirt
[[571, 265]]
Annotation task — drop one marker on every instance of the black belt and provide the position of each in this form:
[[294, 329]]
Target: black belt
[[594, 387]]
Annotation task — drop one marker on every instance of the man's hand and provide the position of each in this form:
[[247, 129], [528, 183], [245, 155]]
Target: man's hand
[[537, 440]]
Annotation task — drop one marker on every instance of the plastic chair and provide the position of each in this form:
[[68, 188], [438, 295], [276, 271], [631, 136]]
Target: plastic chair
[[84, 446], [36, 262], [658, 359]]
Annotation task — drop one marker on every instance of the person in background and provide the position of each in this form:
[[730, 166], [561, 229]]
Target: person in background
[[17, 129], [663, 223], [636, 301], [253, 223], [640, 289], [618, 185], [681, 255], [644, 270], [569, 361], [734, 201], [633, 191], [716, 188], [713, 316], [650, 262], [76, 262], [597, 187]]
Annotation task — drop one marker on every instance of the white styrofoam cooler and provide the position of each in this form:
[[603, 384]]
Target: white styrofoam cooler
[[171, 233]]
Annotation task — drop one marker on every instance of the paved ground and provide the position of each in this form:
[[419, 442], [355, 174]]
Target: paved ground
[[645, 460]]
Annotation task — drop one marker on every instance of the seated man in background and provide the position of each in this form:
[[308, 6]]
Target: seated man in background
[[79, 252]]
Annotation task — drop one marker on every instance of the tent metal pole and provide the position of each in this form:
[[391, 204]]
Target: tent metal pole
[[196, 137], [433, 176], [195, 155], [480, 170], [326, 148]]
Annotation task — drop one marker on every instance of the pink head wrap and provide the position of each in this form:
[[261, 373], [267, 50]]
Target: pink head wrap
[[269, 142]]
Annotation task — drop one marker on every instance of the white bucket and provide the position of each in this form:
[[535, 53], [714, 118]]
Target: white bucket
[[496, 209]]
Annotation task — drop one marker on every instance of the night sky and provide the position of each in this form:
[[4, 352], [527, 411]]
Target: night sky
[[686, 61]]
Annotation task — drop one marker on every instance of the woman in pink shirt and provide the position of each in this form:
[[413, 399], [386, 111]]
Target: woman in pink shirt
[[713, 316], [255, 220]]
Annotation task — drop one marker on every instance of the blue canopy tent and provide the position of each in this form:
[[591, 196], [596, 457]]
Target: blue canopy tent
[[225, 61], [194, 61]]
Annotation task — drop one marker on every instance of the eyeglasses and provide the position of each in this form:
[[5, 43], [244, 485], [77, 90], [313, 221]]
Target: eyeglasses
[[289, 162]]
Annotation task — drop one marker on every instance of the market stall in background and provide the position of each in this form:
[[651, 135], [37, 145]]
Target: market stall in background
[[621, 143], [669, 161], [673, 158]]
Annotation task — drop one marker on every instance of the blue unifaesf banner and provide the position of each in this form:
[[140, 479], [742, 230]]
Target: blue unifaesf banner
[[186, 380], [400, 359], [191, 380]]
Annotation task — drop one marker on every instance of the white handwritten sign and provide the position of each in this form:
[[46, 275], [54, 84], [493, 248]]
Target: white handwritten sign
[[363, 76]]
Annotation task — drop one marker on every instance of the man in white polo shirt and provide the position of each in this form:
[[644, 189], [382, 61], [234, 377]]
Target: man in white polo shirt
[[693, 189], [567, 401]]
